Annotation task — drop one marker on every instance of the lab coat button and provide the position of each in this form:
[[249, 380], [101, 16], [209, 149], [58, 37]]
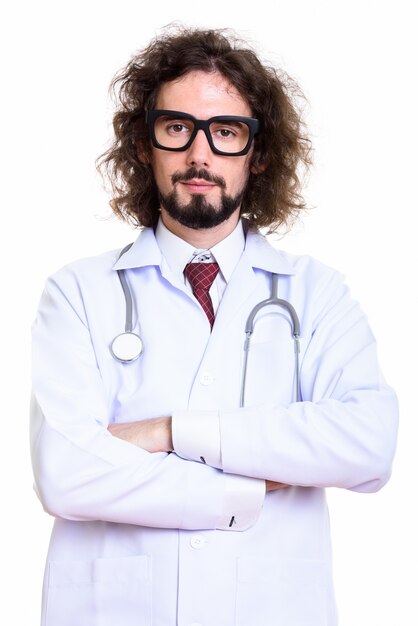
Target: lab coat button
[[206, 378], [197, 542]]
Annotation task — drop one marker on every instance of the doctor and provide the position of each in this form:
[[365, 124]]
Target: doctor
[[175, 505]]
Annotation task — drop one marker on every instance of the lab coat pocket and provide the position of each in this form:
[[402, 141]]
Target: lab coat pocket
[[274, 592], [102, 592]]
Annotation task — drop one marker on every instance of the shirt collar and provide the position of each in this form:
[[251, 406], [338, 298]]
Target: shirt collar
[[151, 249], [178, 252]]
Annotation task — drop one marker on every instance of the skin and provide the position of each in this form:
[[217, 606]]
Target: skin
[[203, 95]]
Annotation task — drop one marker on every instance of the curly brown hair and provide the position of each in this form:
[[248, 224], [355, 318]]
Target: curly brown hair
[[281, 149]]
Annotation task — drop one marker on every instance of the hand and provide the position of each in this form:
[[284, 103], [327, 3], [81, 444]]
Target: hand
[[153, 435], [271, 485]]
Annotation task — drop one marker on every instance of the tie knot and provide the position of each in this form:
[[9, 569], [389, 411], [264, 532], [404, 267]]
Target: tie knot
[[201, 275]]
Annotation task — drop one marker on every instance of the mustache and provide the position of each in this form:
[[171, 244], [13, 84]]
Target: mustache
[[203, 174]]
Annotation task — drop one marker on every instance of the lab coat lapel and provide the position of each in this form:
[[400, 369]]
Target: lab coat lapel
[[240, 288], [243, 285], [145, 252]]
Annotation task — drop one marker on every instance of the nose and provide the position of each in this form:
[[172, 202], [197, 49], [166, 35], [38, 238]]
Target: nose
[[199, 154]]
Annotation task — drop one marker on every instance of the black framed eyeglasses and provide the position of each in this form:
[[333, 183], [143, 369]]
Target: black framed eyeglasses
[[229, 135]]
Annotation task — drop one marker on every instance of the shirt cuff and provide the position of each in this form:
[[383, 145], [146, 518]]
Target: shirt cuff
[[242, 503], [197, 436]]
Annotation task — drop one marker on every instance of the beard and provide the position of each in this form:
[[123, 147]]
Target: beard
[[199, 213]]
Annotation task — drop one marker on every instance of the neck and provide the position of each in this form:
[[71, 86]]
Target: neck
[[204, 237]]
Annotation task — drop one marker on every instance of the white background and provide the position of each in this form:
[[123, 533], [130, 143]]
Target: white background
[[354, 60]]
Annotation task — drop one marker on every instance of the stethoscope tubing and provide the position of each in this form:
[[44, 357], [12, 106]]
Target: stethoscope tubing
[[249, 329], [127, 293], [127, 346]]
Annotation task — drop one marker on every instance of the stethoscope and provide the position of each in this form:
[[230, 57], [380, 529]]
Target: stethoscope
[[128, 346]]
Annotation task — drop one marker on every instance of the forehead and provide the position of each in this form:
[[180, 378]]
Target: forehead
[[202, 94]]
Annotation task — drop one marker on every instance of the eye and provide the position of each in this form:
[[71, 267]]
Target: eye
[[176, 128], [226, 132]]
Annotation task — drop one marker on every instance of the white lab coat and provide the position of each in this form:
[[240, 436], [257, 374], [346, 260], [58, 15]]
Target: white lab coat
[[137, 539]]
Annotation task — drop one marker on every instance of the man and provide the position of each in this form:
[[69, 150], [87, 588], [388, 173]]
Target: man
[[188, 481]]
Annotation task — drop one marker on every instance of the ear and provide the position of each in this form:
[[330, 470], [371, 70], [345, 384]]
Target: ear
[[258, 165], [143, 153], [258, 168]]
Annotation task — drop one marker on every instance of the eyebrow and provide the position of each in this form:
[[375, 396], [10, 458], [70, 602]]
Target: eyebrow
[[221, 117], [230, 122]]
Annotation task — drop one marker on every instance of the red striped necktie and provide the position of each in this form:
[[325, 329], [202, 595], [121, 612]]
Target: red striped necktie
[[201, 277]]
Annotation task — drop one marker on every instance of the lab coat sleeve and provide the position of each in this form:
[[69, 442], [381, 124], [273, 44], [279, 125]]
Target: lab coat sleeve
[[81, 471], [344, 432]]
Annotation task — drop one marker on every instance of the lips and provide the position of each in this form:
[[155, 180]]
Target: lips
[[198, 186]]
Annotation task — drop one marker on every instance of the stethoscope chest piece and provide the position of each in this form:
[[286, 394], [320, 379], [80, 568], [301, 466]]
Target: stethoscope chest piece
[[127, 347]]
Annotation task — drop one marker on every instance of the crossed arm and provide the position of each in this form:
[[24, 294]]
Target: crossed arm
[[155, 435], [341, 435]]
